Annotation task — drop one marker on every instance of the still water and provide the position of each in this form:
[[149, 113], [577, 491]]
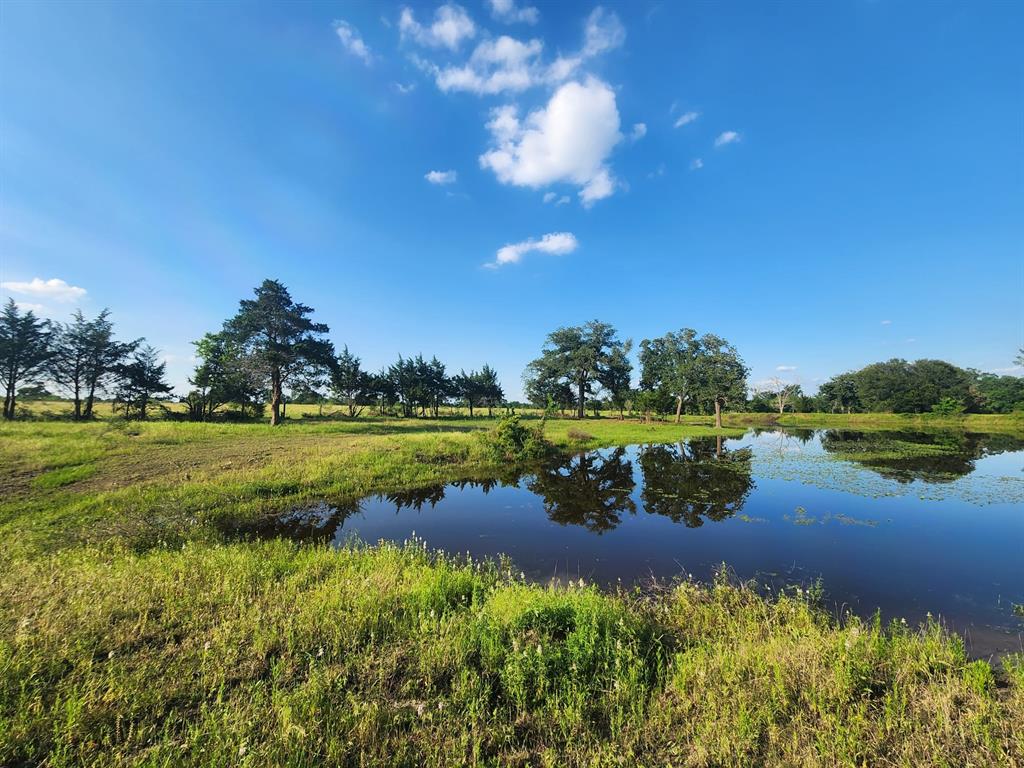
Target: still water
[[905, 523]]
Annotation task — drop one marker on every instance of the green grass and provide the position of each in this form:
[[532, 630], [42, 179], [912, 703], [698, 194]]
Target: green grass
[[133, 633], [270, 654]]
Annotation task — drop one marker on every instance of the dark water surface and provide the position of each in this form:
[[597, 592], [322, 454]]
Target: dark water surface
[[881, 525]]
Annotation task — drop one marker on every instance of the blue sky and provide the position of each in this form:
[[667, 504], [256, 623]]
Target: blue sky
[[824, 184]]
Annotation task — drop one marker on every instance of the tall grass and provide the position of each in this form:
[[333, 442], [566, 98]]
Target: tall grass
[[268, 654]]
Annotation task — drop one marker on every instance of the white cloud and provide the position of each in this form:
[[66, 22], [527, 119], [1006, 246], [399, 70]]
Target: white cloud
[[550, 196], [507, 64], [639, 131], [353, 42], [502, 64], [404, 88], [785, 367], [726, 137], [602, 32], [55, 289], [28, 306], [441, 177], [685, 119], [1010, 369], [556, 243], [696, 164], [887, 322], [569, 140], [508, 12], [563, 200], [451, 26]]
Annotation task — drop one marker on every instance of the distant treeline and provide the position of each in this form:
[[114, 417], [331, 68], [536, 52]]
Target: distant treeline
[[271, 352]]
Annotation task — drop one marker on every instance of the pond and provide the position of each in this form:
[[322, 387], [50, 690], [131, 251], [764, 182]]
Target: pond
[[901, 522]]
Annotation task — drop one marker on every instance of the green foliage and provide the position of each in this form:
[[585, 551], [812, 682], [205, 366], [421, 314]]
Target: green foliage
[[948, 406], [277, 340], [25, 348], [1000, 394], [513, 441], [575, 362]]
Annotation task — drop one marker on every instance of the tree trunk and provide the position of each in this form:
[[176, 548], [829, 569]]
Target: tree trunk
[[679, 407], [718, 414], [718, 446], [275, 398], [581, 401], [470, 408]]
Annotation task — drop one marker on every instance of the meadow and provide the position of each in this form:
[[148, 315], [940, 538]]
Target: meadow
[[140, 624]]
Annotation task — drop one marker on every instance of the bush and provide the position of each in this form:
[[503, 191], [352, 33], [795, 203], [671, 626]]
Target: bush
[[511, 440]]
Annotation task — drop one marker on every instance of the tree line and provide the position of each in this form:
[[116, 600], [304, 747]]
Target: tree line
[[81, 359], [272, 348]]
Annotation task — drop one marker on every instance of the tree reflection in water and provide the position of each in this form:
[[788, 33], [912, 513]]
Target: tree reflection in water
[[589, 489], [909, 456], [694, 481]]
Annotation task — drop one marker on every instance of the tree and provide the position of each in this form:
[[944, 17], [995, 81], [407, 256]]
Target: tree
[[25, 348], [221, 377], [840, 393], [669, 366], [721, 375], [578, 356], [781, 394], [489, 388], [278, 339], [616, 376], [86, 358], [466, 387], [350, 383], [140, 380], [998, 394]]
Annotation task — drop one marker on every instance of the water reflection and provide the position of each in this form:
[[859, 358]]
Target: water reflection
[[590, 489], [908, 456], [694, 481]]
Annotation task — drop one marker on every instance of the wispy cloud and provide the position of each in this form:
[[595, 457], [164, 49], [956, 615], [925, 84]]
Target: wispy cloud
[[685, 119], [404, 88], [353, 41], [450, 27], [441, 177], [727, 137], [887, 322], [54, 289], [556, 243], [508, 12], [639, 131], [696, 164], [785, 368]]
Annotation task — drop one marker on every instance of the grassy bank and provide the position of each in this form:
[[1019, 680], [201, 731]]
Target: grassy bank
[[151, 482], [131, 632], [268, 654]]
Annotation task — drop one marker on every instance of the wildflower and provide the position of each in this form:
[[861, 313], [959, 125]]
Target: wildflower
[[110, 655], [320, 652]]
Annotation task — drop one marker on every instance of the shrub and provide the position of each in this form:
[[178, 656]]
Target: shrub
[[511, 440]]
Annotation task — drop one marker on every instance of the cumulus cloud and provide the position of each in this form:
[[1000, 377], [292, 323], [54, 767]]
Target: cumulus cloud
[[696, 164], [726, 137], [54, 289], [451, 26], [555, 243], [507, 64], [569, 140], [685, 119], [785, 367], [441, 177], [508, 12], [353, 41], [639, 131]]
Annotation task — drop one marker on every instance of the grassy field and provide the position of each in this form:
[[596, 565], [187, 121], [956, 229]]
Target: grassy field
[[134, 630]]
